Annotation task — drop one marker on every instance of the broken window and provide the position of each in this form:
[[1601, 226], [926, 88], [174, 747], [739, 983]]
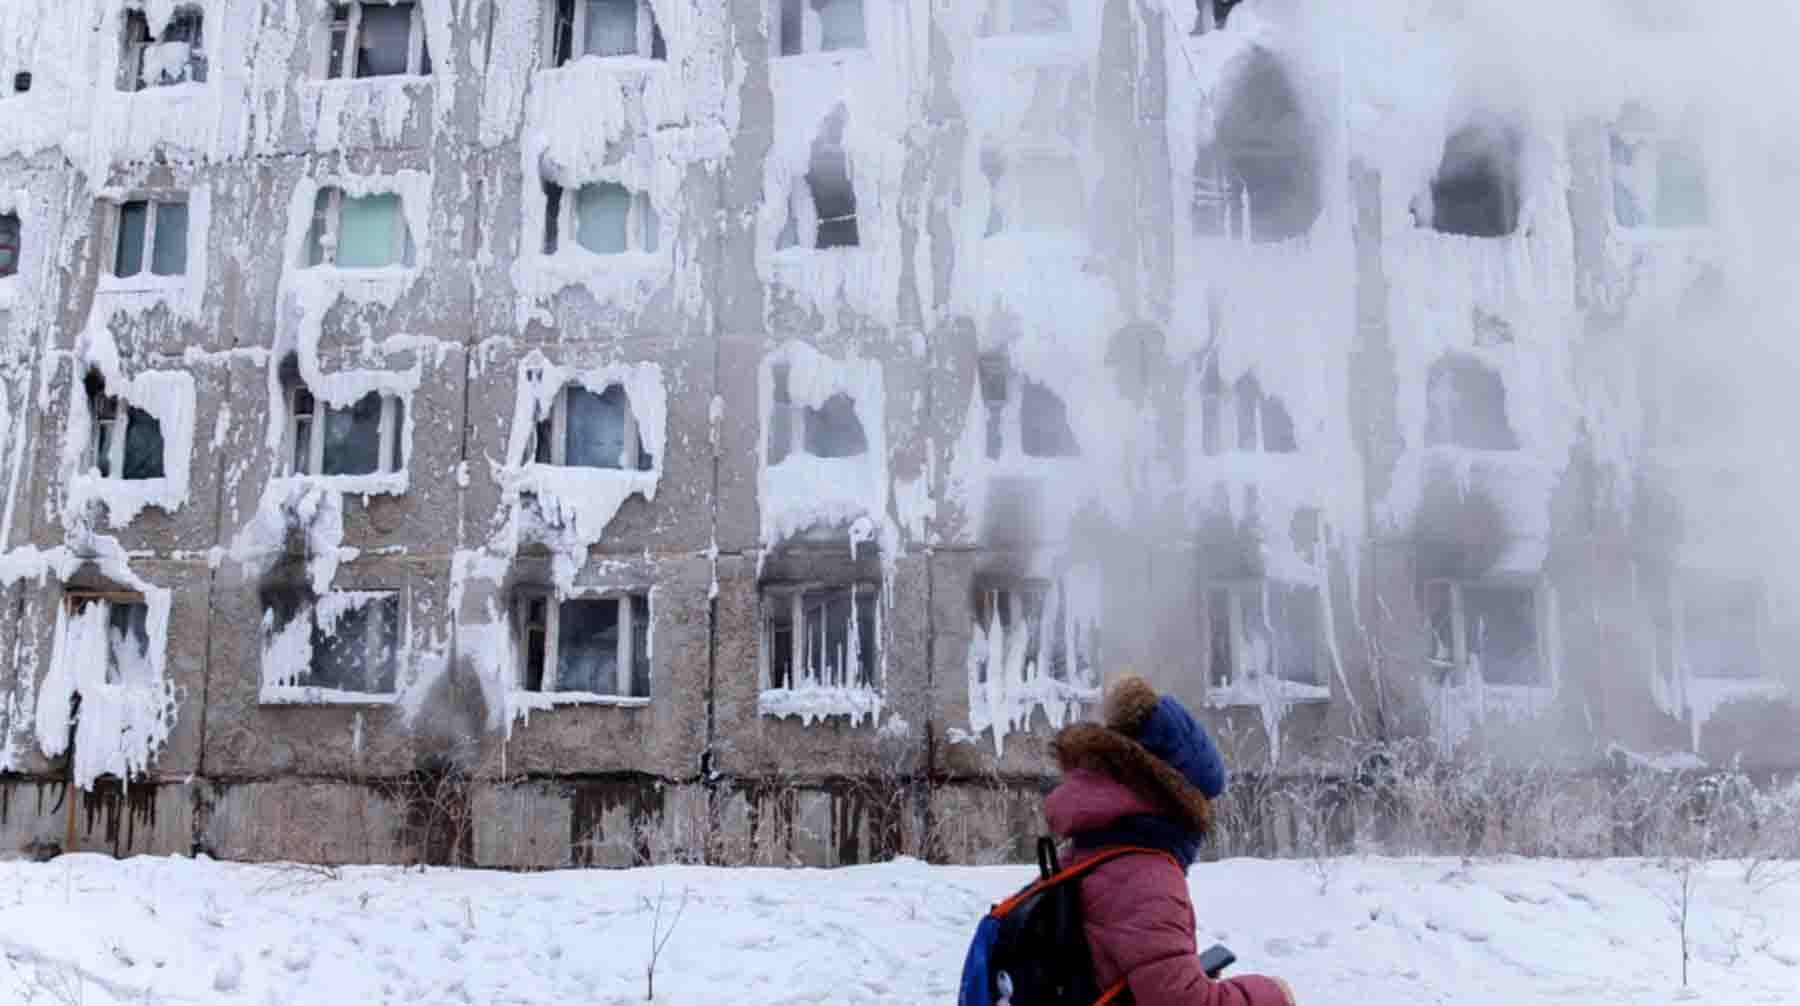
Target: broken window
[[605, 28], [1042, 416], [606, 219], [590, 646], [351, 640], [1026, 17], [1264, 628], [804, 26], [1658, 180], [1026, 626], [127, 442], [833, 430], [1260, 175], [123, 618], [1035, 193], [822, 208], [363, 439], [9, 244], [1721, 627], [157, 226], [1242, 418], [1476, 190], [376, 38], [358, 232], [1486, 631], [1466, 407], [589, 430], [177, 56], [821, 636]]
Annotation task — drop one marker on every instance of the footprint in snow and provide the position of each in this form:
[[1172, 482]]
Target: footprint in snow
[[1279, 946]]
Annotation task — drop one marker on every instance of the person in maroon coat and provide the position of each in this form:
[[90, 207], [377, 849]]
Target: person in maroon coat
[[1145, 779]]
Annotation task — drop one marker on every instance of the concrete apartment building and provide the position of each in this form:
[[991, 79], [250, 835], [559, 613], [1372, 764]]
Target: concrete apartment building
[[589, 431]]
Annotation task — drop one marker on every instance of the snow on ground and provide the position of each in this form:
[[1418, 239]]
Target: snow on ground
[[90, 930]]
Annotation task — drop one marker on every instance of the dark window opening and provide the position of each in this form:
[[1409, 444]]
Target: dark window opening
[[1264, 628], [127, 442], [828, 180], [9, 244], [1501, 623], [833, 430], [1044, 423], [840, 26], [1261, 176], [355, 639], [176, 56], [588, 430], [1466, 407], [992, 369], [605, 28], [825, 637], [156, 226], [1476, 190]]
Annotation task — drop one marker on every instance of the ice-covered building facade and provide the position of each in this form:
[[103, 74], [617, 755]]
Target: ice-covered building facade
[[589, 431]]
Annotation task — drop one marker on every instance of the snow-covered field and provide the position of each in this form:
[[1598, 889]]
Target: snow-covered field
[[90, 930]]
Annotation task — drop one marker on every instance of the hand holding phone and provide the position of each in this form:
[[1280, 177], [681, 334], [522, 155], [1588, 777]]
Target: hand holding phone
[[1215, 959]]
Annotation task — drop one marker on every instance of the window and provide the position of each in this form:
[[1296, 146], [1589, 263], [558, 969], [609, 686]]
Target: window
[[822, 210], [177, 56], [1721, 627], [9, 244], [1476, 191], [127, 442], [358, 232], [21, 82], [121, 619], [833, 430], [1466, 407], [1035, 192], [588, 430], [1485, 631], [376, 38], [1260, 176], [1211, 15], [823, 636], [1034, 634], [1658, 181], [591, 646], [364, 439], [351, 640], [1241, 418], [1043, 418], [1026, 17], [604, 28], [606, 219], [818, 26], [157, 225], [1264, 628]]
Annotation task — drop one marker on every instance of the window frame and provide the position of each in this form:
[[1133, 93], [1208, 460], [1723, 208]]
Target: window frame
[[625, 600], [418, 63], [562, 206], [1017, 592], [1237, 590], [136, 41], [390, 449], [305, 606], [777, 39], [1458, 665], [153, 204], [74, 600], [649, 32], [792, 597], [631, 452], [112, 413], [329, 227]]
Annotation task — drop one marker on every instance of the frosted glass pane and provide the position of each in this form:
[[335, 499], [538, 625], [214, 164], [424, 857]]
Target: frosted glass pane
[[840, 24], [611, 27], [129, 260], [587, 641], [386, 33], [596, 426], [353, 438], [601, 214], [358, 655], [1501, 627], [369, 232], [169, 255]]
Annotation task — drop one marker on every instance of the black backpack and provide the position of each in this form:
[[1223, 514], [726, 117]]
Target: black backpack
[[1031, 950]]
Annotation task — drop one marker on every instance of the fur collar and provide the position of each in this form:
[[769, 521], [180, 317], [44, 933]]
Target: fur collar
[[1112, 753]]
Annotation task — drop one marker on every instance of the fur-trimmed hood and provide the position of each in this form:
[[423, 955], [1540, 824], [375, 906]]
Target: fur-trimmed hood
[[1152, 746]]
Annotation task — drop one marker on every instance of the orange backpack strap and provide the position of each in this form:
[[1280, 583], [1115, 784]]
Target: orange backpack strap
[[1072, 872], [1113, 994]]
